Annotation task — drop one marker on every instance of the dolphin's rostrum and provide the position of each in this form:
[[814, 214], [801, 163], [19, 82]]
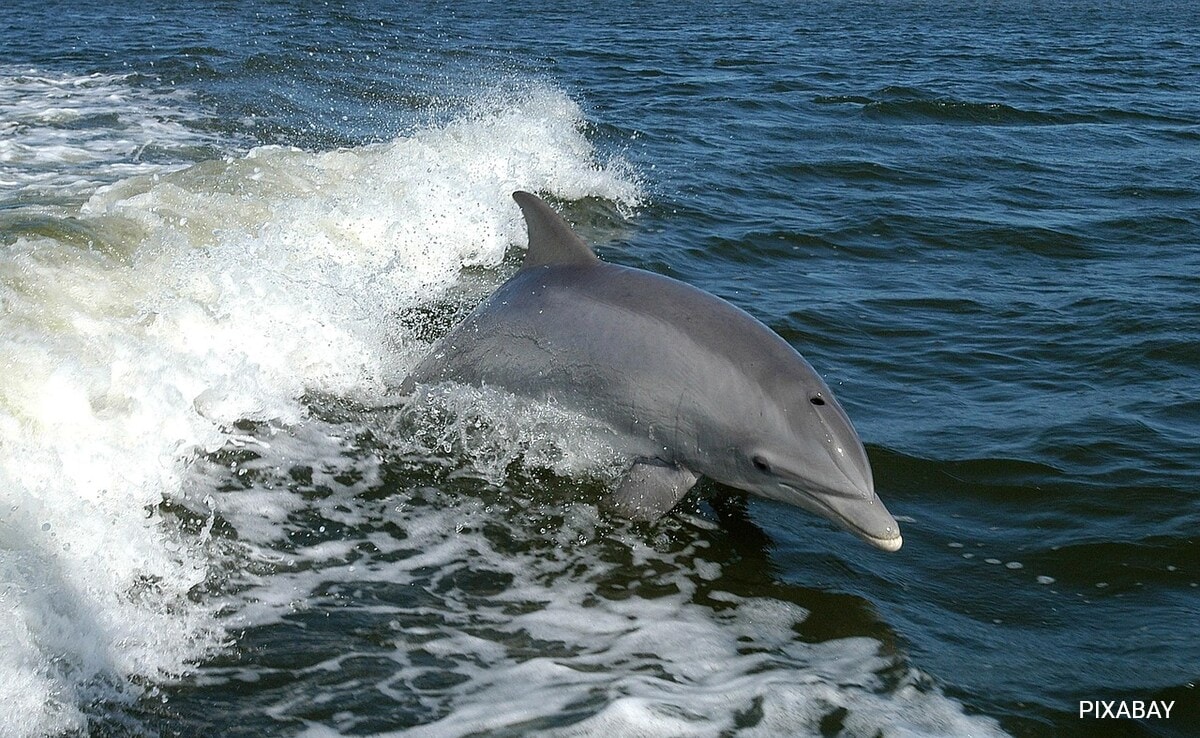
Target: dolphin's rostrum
[[693, 385]]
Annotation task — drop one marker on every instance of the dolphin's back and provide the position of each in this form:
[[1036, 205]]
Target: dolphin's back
[[635, 346]]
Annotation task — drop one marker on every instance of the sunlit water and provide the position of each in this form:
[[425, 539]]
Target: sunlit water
[[227, 233]]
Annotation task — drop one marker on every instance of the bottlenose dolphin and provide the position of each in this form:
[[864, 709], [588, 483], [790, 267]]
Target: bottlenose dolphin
[[693, 385]]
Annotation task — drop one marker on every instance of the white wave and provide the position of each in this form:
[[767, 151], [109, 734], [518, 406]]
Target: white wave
[[62, 135], [200, 297]]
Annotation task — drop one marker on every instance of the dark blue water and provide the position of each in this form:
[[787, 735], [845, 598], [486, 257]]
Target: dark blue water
[[980, 222]]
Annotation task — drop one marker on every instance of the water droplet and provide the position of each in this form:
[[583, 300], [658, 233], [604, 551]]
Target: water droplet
[[1043, 579], [1014, 565]]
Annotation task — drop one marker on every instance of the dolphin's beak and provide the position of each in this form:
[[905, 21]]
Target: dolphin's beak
[[862, 514], [866, 518]]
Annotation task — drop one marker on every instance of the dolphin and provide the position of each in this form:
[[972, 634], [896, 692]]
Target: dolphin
[[690, 384]]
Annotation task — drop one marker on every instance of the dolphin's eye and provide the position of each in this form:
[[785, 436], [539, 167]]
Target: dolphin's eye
[[817, 400], [761, 464]]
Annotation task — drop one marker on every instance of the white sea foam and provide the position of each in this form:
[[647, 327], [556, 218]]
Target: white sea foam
[[581, 629], [197, 298], [62, 134]]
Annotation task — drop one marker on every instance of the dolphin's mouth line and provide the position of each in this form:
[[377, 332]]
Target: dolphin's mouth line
[[887, 544]]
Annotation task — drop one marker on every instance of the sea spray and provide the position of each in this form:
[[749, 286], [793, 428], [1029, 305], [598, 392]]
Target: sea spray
[[141, 328], [455, 605]]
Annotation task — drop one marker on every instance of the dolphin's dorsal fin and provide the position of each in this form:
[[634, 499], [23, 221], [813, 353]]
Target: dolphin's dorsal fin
[[551, 240]]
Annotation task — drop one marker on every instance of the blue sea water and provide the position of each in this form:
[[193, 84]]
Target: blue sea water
[[228, 230]]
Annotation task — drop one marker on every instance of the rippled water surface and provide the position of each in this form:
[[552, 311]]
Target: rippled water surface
[[227, 232]]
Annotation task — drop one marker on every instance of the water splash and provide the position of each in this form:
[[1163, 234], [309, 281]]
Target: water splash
[[139, 329]]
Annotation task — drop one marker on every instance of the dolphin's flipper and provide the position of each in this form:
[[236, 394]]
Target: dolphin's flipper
[[551, 239], [650, 489]]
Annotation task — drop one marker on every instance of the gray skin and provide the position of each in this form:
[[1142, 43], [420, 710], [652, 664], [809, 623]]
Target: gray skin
[[690, 384]]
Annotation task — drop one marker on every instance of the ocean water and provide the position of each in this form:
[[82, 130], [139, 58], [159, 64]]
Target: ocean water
[[227, 231]]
